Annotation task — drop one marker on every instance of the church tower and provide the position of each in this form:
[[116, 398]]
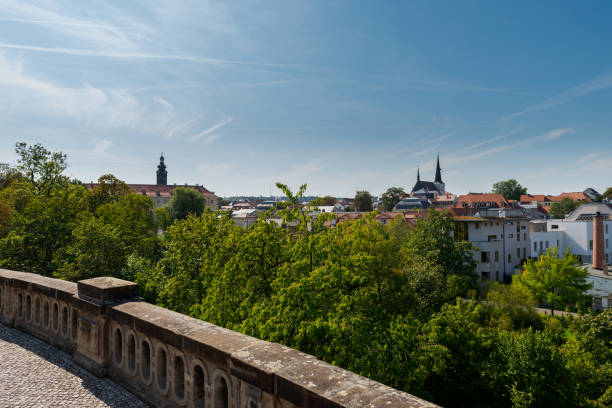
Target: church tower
[[438, 180], [162, 174]]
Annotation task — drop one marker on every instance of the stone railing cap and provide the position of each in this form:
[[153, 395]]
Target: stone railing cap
[[105, 289]]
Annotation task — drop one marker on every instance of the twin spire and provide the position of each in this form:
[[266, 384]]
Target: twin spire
[[438, 178]]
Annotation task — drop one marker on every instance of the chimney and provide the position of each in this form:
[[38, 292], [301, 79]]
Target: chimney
[[599, 256]]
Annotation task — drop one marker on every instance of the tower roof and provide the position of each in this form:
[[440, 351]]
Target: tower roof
[[438, 178]]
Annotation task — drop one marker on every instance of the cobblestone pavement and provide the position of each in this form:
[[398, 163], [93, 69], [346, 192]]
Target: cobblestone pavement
[[36, 374]]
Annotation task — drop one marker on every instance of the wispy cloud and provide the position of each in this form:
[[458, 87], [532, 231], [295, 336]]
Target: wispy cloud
[[139, 55], [593, 85], [22, 92], [96, 33], [212, 137], [101, 146], [587, 158], [211, 129], [551, 135], [493, 139], [72, 23]]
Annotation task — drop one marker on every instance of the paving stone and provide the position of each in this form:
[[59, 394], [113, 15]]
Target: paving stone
[[36, 374]]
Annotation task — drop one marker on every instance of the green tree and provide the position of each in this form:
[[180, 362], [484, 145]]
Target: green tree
[[363, 201], [38, 227], [432, 239], [510, 189], [527, 369], [42, 168], [608, 193], [97, 250], [186, 201], [513, 307], [109, 189], [391, 197], [563, 207], [557, 282], [8, 175], [327, 201], [195, 253]]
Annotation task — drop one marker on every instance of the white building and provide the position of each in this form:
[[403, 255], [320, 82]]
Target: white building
[[587, 233], [502, 238], [602, 287], [574, 232], [246, 217]]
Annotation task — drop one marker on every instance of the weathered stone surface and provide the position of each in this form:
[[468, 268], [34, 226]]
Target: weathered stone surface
[[306, 381], [33, 281], [104, 289], [171, 359], [36, 374]]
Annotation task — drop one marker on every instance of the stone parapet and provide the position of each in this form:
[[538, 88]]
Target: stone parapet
[[172, 360]]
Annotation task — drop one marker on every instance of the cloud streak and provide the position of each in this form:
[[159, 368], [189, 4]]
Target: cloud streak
[[211, 129], [493, 139], [593, 85], [138, 55]]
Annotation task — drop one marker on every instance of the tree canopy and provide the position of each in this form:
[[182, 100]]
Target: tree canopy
[[186, 201], [558, 282], [391, 197], [363, 201], [510, 189], [563, 207]]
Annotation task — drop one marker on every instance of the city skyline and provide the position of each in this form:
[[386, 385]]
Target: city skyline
[[343, 96]]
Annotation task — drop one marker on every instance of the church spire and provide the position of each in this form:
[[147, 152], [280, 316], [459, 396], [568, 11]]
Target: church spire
[[162, 174], [418, 174], [438, 178]]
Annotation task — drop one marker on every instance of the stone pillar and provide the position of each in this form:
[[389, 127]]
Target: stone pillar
[[94, 295]]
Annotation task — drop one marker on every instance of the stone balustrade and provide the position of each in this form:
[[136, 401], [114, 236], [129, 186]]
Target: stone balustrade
[[172, 360]]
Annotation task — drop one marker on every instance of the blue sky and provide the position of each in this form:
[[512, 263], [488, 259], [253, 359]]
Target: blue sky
[[342, 95]]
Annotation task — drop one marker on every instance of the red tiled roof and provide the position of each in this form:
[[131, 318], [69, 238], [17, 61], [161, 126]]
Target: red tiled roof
[[157, 190], [540, 198], [575, 196], [482, 198]]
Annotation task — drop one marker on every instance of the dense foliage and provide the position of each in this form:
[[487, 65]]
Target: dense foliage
[[385, 301], [510, 189], [564, 207], [391, 197]]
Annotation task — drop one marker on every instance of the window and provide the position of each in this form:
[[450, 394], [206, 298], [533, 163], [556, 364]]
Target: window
[[492, 238], [541, 245], [606, 228], [557, 243], [518, 252], [476, 225], [606, 242], [485, 257], [485, 276], [496, 256], [554, 226], [509, 258], [546, 244], [524, 253], [518, 236], [524, 236], [535, 246], [591, 244]]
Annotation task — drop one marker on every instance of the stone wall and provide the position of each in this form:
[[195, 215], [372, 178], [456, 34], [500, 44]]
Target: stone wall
[[172, 360]]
